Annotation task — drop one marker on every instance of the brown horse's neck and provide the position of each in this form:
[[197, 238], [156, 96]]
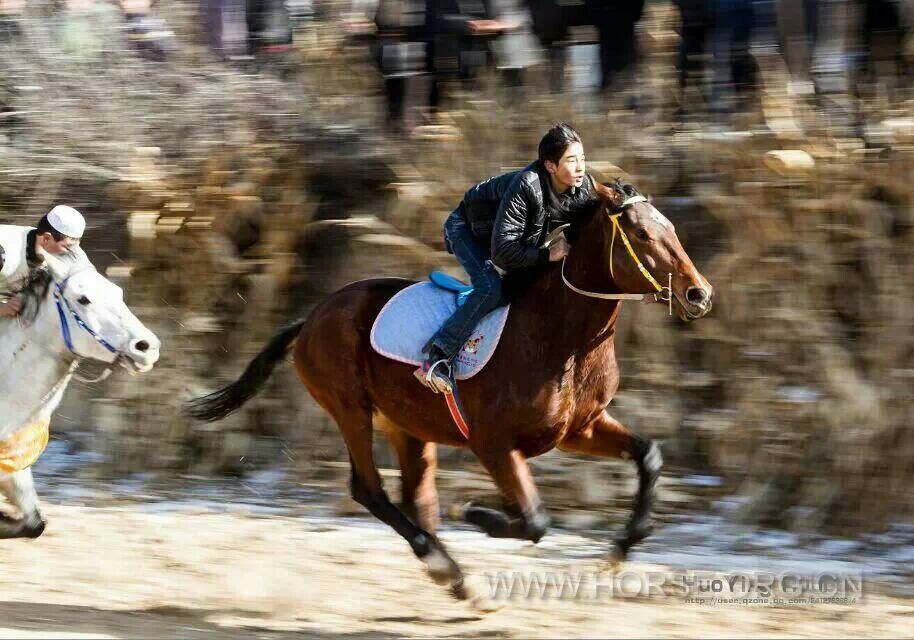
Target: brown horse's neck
[[580, 321]]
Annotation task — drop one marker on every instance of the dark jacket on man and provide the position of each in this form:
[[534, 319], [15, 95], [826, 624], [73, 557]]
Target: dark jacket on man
[[515, 211]]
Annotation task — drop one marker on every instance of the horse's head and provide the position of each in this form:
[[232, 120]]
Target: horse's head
[[645, 255], [96, 323]]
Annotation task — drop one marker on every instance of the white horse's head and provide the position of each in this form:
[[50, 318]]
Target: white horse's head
[[95, 322]]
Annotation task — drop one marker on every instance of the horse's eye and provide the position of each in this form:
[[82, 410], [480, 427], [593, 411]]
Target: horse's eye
[[642, 235], [83, 300]]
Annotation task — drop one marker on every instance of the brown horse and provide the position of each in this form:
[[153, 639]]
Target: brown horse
[[547, 385]]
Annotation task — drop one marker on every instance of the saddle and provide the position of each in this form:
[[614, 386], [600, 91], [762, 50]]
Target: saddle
[[450, 283], [414, 315]]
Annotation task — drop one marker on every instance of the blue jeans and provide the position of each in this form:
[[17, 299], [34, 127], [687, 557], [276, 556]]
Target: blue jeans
[[487, 292]]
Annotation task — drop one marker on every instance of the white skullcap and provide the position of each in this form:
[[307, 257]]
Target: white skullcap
[[67, 220]]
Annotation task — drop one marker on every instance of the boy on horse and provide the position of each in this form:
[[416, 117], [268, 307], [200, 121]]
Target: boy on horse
[[24, 249], [498, 231]]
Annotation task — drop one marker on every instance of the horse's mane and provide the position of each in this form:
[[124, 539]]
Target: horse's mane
[[613, 194], [34, 293]]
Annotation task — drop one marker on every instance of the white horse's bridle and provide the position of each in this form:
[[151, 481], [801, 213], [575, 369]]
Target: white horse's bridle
[[61, 302]]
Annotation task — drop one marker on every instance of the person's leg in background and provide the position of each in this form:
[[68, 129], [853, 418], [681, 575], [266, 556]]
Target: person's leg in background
[[744, 69], [395, 90], [696, 25], [516, 49], [10, 14], [735, 70], [618, 45]]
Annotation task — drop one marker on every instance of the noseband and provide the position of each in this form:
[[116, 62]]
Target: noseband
[[663, 294]]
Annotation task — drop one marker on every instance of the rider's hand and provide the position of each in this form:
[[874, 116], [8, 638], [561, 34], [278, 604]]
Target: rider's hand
[[359, 27], [485, 27], [558, 249], [11, 308]]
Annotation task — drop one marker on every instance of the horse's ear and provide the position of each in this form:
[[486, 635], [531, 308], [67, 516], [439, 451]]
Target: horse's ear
[[609, 195]]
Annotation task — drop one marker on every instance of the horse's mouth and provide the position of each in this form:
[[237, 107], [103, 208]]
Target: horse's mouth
[[135, 367], [690, 312]]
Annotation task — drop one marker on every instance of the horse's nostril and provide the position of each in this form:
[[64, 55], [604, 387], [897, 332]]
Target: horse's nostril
[[696, 295], [142, 346]]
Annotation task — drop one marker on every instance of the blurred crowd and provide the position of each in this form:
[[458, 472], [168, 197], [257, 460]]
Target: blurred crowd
[[830, 47], [425, 48]]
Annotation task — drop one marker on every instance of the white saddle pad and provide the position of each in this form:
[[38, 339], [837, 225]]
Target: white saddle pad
[[416, 313]]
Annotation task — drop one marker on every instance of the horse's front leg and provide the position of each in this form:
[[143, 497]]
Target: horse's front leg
[[19, 491], [607, 437]]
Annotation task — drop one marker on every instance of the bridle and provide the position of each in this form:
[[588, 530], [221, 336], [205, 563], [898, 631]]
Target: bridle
[[662, 294], [66, 333]]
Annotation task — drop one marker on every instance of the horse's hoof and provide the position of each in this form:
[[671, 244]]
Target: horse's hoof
[[614, 560], [458, 511], [21, 528], [471, 591], [485, 604], [438, 577], [35, 528], [441, 569], [9, 527]]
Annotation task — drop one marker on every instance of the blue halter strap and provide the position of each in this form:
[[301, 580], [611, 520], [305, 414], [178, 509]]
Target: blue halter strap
[[65, 325]]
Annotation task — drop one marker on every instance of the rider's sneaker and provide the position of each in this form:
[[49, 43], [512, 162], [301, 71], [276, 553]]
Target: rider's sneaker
[[434, 372]]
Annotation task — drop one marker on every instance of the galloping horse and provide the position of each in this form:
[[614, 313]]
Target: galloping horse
[[547, 385], [77, 317]]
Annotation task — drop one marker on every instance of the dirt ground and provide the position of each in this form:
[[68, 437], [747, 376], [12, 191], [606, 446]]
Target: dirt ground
[[126, 571]]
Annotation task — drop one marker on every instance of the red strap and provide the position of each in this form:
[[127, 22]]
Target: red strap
[[456, 415]]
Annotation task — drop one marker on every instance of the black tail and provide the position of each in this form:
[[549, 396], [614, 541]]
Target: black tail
[[219, 404]]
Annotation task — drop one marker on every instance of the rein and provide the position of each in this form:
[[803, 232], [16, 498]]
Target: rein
[[663, 294], [62, 382]]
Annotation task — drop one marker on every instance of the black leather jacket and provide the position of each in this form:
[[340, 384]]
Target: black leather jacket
[[515, 211]]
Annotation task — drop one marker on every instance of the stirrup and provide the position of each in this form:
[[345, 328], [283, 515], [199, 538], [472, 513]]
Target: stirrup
[[434, 380]]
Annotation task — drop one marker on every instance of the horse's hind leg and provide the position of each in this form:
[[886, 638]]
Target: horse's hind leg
[[19, 490], [418, 461], [607, 437], [525, 518]]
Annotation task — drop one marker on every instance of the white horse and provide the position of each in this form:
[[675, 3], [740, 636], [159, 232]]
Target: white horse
[[64, 321]]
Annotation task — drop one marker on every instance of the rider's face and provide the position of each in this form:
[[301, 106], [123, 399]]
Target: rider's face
[[55, 247], [569, 172]]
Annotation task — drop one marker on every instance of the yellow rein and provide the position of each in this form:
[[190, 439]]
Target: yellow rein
[[618, 228]]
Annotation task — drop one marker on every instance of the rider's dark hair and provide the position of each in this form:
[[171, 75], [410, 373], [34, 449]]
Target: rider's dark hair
[[556, 140], [44, 226]]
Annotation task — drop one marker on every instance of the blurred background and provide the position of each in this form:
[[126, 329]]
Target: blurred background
[[239, 160]]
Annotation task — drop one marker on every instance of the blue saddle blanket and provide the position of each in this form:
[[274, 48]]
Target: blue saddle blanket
[[416, 313]]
